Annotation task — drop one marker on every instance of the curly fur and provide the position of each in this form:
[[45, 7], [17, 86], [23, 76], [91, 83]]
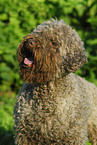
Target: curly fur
[[55, 106]]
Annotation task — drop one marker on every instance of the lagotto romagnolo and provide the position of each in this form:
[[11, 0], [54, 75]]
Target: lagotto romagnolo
[[55, 106]]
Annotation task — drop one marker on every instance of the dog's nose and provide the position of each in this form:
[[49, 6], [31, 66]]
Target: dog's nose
[[30, 42]]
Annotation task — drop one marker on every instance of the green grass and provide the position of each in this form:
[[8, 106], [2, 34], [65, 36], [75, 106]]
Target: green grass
[[7, 101], [88, 143]]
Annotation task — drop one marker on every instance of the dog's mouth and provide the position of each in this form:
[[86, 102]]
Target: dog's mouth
[[28, 61], [27, 53]]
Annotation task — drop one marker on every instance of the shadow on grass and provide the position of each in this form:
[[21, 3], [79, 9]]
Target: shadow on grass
[[6, 137]]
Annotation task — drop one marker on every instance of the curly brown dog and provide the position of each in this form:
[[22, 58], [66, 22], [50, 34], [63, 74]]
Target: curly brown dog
[[55, 106]]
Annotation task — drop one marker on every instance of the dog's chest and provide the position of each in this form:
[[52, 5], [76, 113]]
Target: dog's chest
[[51, 113], [40, 111], [46, 111]]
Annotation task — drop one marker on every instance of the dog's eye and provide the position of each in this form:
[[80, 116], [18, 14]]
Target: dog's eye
[[53, 43]]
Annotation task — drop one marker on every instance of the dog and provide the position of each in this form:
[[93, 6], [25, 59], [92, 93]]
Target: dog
[[55, 106]]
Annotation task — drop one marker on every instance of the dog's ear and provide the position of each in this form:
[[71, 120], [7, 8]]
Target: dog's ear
[[75, 56]]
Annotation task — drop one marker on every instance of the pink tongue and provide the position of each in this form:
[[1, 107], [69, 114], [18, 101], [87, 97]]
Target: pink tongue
[[27, 61]]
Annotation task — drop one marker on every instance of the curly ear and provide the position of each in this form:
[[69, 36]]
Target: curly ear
[[75, 56]]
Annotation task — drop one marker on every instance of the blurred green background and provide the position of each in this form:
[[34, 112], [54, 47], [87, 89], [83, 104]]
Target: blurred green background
[[20, 17]]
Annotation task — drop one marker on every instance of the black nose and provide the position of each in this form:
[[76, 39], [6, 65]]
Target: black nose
[[30, 42]]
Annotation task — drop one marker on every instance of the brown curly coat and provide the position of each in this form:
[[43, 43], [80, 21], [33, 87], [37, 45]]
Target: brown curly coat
[[55, 106]]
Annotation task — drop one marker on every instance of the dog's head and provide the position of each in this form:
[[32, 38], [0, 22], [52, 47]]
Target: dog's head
[[51, 51]]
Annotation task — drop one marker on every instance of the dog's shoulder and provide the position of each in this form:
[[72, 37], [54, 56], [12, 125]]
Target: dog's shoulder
[[80, 83], [80, 80]]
